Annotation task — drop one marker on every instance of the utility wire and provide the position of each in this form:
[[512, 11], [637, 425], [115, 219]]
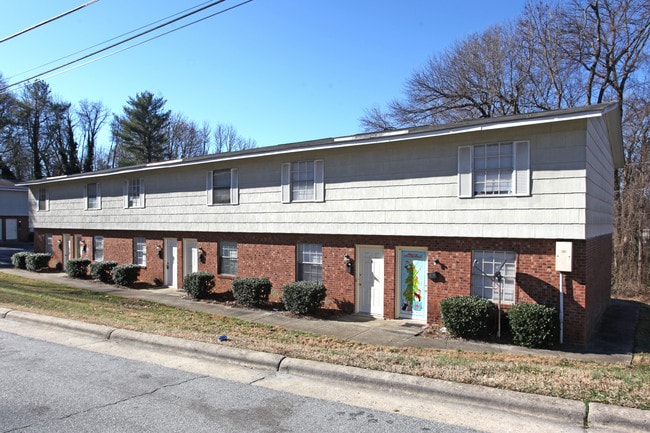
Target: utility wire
[[215, 3], [47, 21], [145, 41], [105, 42]]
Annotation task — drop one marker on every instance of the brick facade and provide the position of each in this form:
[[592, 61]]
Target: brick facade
[[274, 256]]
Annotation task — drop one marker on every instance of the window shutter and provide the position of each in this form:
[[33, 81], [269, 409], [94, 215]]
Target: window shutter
[[47, 200], [465, 181], [234, 186], [286, 182], [99, 196], [86, 197], [142, 194], [319, 180], [521, 175], [208, 188], [126, 194]]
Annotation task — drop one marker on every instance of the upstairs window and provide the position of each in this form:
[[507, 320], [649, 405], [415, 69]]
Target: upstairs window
[[134, 193], [140, 251], [228, 258], [310, 262], [303, 181], [495, 169], [222, 187], [487, 268], [93, 196], [43, 199]]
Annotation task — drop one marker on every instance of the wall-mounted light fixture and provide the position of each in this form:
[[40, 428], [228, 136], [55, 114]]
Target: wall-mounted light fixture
[[201, 254], [433, 276], [60, 244], [83, 246], [349, 264], [159, 251]]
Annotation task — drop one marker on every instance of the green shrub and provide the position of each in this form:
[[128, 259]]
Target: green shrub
[[198, 284], [251, 292], [534, 325], [77, 268], [102, 271], [126, 275], [19, 260], [303, 297], [37, 261], [468, 316]]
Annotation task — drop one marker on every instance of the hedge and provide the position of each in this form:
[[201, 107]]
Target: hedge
[[534, 325], [77, 268], [468, 316], [37, 261], [251, 292], [126, 275], [198, 284], [19, 260], [303, 297], [102, 271]]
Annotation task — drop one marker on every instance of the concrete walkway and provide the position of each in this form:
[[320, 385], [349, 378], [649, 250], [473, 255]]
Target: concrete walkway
[[614, 342]]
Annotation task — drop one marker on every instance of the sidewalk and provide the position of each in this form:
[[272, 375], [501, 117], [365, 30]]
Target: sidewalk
[[608, 346]]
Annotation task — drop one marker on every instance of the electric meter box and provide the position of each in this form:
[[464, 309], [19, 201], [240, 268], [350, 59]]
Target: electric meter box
[[563, 253]]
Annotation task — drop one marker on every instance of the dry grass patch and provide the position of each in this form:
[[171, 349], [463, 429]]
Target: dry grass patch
[[585, 381]]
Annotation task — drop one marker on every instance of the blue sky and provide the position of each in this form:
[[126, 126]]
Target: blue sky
[[279, 71]]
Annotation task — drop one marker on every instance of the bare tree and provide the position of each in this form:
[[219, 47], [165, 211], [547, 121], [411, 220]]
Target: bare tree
[[186, 138], [226, 139], [92, 117]]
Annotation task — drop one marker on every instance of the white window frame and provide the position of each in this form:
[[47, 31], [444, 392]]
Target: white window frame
[[293, 181], [88, 197], [42, 200], [49, 246], [519, 174], [309, 261], [210, 187], [140, 251], [134, 195], [485, 264], [228, 252], [98, 245]]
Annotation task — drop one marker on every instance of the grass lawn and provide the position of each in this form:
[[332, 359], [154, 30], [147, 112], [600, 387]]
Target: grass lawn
[[623, 385]]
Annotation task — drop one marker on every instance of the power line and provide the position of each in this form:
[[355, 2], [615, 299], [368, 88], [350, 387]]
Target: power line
[[104, 42], [145, 41], [48, 21], [130, 39]]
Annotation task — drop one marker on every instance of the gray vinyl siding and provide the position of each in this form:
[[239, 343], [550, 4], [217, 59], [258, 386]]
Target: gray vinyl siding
[[600, 181], [405, 188]]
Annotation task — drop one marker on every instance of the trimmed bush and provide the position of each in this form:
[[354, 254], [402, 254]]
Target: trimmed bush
[[102, 271], [126, 275], [303, 297], [77, 268], [468, 316], [19, 260], [198, 284], [251, 292], [37, 261], [534, 325]]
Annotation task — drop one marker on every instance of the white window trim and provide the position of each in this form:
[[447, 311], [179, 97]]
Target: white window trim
[[135, 252], [520, 171], [475, 274], [234, 188], [98, 197], [95, 249], [319, 182], [127, 184], [220, 257]]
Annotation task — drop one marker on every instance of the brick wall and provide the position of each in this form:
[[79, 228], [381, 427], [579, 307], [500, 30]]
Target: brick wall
[[274, 256]]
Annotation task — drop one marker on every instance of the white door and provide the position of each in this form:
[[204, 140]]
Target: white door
[[190, 256], [171, 262], [370, 280], [12, 229]]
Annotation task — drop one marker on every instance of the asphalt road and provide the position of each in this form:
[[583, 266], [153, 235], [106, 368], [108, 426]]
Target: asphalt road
[[56, 388]]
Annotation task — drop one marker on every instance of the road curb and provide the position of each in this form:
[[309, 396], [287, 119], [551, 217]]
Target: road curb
[[233, 355], [101, 331], [556, 409], [626, 419]]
